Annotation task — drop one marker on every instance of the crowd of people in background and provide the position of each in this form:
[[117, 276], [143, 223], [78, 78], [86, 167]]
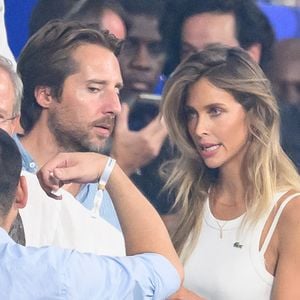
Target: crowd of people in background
[[188, 114]]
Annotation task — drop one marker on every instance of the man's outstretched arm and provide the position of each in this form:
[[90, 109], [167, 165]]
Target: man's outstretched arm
[[143, 229]]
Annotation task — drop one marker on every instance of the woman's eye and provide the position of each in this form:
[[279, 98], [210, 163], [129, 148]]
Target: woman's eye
[[190, 113], [215, 111]]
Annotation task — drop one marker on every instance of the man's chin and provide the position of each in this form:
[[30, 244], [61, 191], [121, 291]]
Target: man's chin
[[98, 147]]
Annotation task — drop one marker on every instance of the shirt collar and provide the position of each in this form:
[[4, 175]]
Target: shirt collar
[[4, 237]]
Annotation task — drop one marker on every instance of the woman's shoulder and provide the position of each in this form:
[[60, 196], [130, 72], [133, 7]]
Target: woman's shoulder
[[289, 204]]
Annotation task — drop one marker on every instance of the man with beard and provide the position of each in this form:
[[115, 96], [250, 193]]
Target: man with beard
[[71, 80], [44, 221]]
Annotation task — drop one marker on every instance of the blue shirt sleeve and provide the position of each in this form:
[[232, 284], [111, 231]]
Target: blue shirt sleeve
[[145, 276], [53, 273]]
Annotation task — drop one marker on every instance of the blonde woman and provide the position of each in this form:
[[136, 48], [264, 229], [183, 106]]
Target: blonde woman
[[238, 201]]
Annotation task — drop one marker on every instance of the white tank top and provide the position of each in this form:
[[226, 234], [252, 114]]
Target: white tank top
[[231, 267]]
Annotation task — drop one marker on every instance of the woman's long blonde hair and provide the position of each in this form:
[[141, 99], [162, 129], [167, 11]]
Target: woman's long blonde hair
[[266, 168]]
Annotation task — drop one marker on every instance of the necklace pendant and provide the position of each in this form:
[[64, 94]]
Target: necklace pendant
[[221, 228]]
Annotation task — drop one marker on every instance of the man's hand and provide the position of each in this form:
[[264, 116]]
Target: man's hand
[[135, 149], [185, 294], [70, 167]]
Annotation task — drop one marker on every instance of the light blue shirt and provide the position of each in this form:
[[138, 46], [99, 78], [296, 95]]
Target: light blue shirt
[[52, 273], [86, 194]]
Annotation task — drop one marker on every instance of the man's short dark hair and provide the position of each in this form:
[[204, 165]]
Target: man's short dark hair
[[91, 11], [46, 60], [252, 25], [10, 169]]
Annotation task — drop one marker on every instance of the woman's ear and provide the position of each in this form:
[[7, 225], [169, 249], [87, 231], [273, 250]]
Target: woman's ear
[[43, 96]]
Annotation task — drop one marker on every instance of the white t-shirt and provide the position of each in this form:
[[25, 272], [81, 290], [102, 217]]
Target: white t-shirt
[[227, 263], [66, 223]]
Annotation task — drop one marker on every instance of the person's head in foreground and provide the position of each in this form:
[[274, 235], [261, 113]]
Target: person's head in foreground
[[13, 191]]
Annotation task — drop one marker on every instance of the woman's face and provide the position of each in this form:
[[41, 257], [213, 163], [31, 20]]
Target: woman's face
[[217, 125]]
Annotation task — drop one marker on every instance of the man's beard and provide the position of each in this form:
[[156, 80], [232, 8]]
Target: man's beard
[[71, 137]]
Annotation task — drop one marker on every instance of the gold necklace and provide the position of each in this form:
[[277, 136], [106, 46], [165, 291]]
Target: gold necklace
[[221, 227], [212, 195]]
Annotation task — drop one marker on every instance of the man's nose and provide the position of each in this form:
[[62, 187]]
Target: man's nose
[[112, 102], [142, 58]]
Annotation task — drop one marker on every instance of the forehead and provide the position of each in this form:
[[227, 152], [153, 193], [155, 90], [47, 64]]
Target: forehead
[[6, 92], [206, 28], [144, 27], [287, 61], [95, 60], [203, 93]]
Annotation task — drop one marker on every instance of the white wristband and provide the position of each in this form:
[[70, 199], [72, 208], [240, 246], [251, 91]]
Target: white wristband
[[101, 186], [106, 173]]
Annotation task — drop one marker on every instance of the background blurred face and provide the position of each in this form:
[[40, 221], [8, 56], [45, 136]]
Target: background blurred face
[[83, 118], [286, 71], [202, 29], [143, 55], [217, 125], [113, 23], [7, 100]]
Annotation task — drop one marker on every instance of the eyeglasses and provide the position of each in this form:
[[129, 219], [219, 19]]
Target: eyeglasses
[[3, 119]]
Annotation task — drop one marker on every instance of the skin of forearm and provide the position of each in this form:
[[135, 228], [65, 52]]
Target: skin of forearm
[[143, 228]]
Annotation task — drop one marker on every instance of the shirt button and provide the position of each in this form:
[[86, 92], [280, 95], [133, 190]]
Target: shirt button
[[32, 165]]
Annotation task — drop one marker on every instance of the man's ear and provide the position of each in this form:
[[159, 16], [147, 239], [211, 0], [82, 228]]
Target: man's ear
[[16, 125], [255, 52], [43, 96], [22, 193]]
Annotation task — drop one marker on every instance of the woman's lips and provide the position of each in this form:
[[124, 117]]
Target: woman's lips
[[210, 150]]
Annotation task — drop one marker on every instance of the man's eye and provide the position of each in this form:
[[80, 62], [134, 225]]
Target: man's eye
[[93, 89], [156, 48], [129, 45]]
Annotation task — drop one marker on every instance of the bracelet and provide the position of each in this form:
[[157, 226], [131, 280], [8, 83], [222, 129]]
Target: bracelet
[[106, 173], [101, 186]]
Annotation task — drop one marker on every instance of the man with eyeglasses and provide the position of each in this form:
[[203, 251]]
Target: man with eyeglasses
[[9, 97], [10, 103]]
